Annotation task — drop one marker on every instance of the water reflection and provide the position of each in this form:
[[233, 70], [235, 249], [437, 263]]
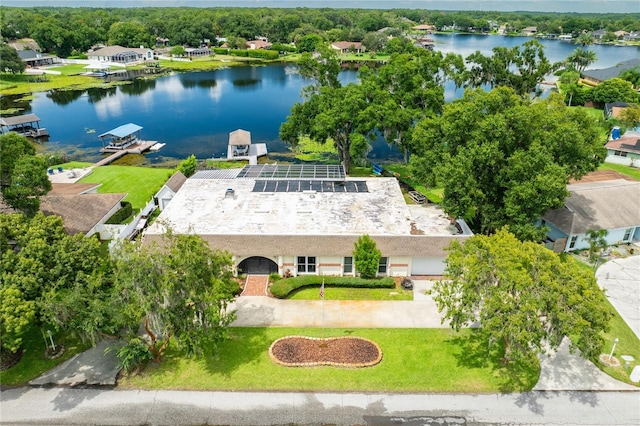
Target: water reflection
[[138, 87], [64, 97]]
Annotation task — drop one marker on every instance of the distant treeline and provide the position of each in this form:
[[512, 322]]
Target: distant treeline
[[68, 31]]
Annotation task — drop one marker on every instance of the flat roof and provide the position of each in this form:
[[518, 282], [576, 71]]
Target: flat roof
[[231, 207], [20, 119], [122, 131]]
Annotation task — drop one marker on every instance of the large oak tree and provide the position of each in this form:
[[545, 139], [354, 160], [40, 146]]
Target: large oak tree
[[524, 297], [505, 160]]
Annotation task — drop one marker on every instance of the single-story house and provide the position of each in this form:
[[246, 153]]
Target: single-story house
[[529, 31], [348, 46], [258, 44], [621, 34], [600, 75], [162, 42], [82, 210], [624, 150], [610, 205], [25, 44], [197, 51], [424, 43], [599, 34], [35, 59], [424, 27], [119, 54], [613, 109], [169, 189], [305, 219]]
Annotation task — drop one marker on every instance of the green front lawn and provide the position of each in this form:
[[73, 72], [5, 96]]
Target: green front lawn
[[139, 183], [70, 69], [632, 172], [33, 363], [414, 360], [345, 293]]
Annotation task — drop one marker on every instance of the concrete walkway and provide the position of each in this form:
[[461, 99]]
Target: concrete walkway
[[620, 278]]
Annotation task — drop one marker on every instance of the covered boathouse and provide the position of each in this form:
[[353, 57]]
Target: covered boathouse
[[120, 138], [24, 125]]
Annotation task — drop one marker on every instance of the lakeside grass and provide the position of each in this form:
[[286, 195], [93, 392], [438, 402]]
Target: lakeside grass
[[414, 360], [139, 183], [22, 83]]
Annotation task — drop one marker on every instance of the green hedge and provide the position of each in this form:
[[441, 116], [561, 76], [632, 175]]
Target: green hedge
[[238, 52], [220, 50], [121, 215], [283, 287], [264, 54]]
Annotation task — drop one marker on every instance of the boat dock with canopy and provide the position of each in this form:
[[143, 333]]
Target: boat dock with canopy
[[25, 125]]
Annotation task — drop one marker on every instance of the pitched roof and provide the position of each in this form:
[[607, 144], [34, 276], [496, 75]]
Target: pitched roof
[[347, 44], [71, 188], [23, 43], [598, 205], [259, 44], [176, 181], [123, 131], [629, 142], [240, 137], [80, 213], [19, 119], [611, 72], [114, 50], [423, 27], [612, 109]]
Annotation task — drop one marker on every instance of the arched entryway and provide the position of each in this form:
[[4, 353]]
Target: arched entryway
[[257, 265]]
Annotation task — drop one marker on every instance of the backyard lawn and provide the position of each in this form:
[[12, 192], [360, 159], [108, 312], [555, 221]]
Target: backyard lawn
[[413, 360], [632, 172], [139, 183]]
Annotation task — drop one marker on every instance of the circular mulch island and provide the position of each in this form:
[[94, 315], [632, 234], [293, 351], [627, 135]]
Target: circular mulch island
[[301, 351]]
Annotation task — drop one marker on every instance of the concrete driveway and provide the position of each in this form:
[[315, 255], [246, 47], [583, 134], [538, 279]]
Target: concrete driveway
[[620, 278]]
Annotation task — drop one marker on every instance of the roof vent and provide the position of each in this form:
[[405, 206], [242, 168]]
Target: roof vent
[[229, 193]]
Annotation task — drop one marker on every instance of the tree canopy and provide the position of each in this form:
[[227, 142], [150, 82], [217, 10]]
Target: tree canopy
[[524, 297], [23, 175], [179, 289], [10, 61], [505, 160]]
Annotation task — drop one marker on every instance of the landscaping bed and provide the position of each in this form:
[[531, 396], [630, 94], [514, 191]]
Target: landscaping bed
[[301, 351]]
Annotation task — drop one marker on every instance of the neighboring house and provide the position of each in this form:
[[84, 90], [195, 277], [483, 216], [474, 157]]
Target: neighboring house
[[348, 46], [613, 109], [258, 44], [425, 27], [424, 43], [306, 219], [621, 34], [529, 31], [599, 34], [197, 51], [600, 75], [119, 54], [169, 190], [25, 44], [624, 150], [162, 42], [610, 205], [81, 210], [502, 30], [35, 59]]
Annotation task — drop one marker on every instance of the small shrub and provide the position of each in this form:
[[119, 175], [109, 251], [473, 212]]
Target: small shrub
[[366, 256], [282, 287], [134, 354], [274, 277]]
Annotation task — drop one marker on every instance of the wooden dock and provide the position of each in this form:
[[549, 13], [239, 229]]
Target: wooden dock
[[136, 148]]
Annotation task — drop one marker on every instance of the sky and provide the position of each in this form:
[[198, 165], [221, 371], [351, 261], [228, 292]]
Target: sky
[[583, 6]]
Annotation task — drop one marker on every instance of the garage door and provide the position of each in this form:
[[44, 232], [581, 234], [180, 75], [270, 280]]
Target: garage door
[[427, 266]]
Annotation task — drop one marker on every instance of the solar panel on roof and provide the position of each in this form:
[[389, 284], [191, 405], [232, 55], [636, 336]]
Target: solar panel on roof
[[294, 171], [309, 185]]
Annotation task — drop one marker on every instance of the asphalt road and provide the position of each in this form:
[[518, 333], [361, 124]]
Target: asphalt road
[[73, 406]]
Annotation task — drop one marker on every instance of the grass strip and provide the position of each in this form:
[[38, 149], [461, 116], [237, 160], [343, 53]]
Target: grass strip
[[338, 293], [621, 168]]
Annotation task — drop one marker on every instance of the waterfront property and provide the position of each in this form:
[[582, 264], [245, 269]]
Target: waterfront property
[[610, 205], [240, 147], [305, 219], [122, 55], [599, 75], [24, 125]]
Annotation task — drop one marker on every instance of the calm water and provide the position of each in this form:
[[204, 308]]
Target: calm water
[[193, 113]]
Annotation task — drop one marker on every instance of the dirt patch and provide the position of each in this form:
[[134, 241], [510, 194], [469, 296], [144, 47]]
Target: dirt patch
[[348, 352], [9, 359], [601, 175]]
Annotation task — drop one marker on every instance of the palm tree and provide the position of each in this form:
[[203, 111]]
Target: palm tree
[[584, 39], [581, 58]]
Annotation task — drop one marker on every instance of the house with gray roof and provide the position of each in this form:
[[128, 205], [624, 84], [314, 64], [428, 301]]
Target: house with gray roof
[[604, 74], [611, 205], [119, 54], [35, 59], [305, 219], [624, 149]]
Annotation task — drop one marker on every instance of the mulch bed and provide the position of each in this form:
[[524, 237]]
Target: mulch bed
[[301, 351], [9, 359]]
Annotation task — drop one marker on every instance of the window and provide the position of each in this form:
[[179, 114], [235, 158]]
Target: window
[[348, 265], [572, 243], [620, 153], [627, 234], [306, 264], [382, 266]]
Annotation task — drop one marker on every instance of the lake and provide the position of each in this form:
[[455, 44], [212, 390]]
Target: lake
[[193, 113]]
